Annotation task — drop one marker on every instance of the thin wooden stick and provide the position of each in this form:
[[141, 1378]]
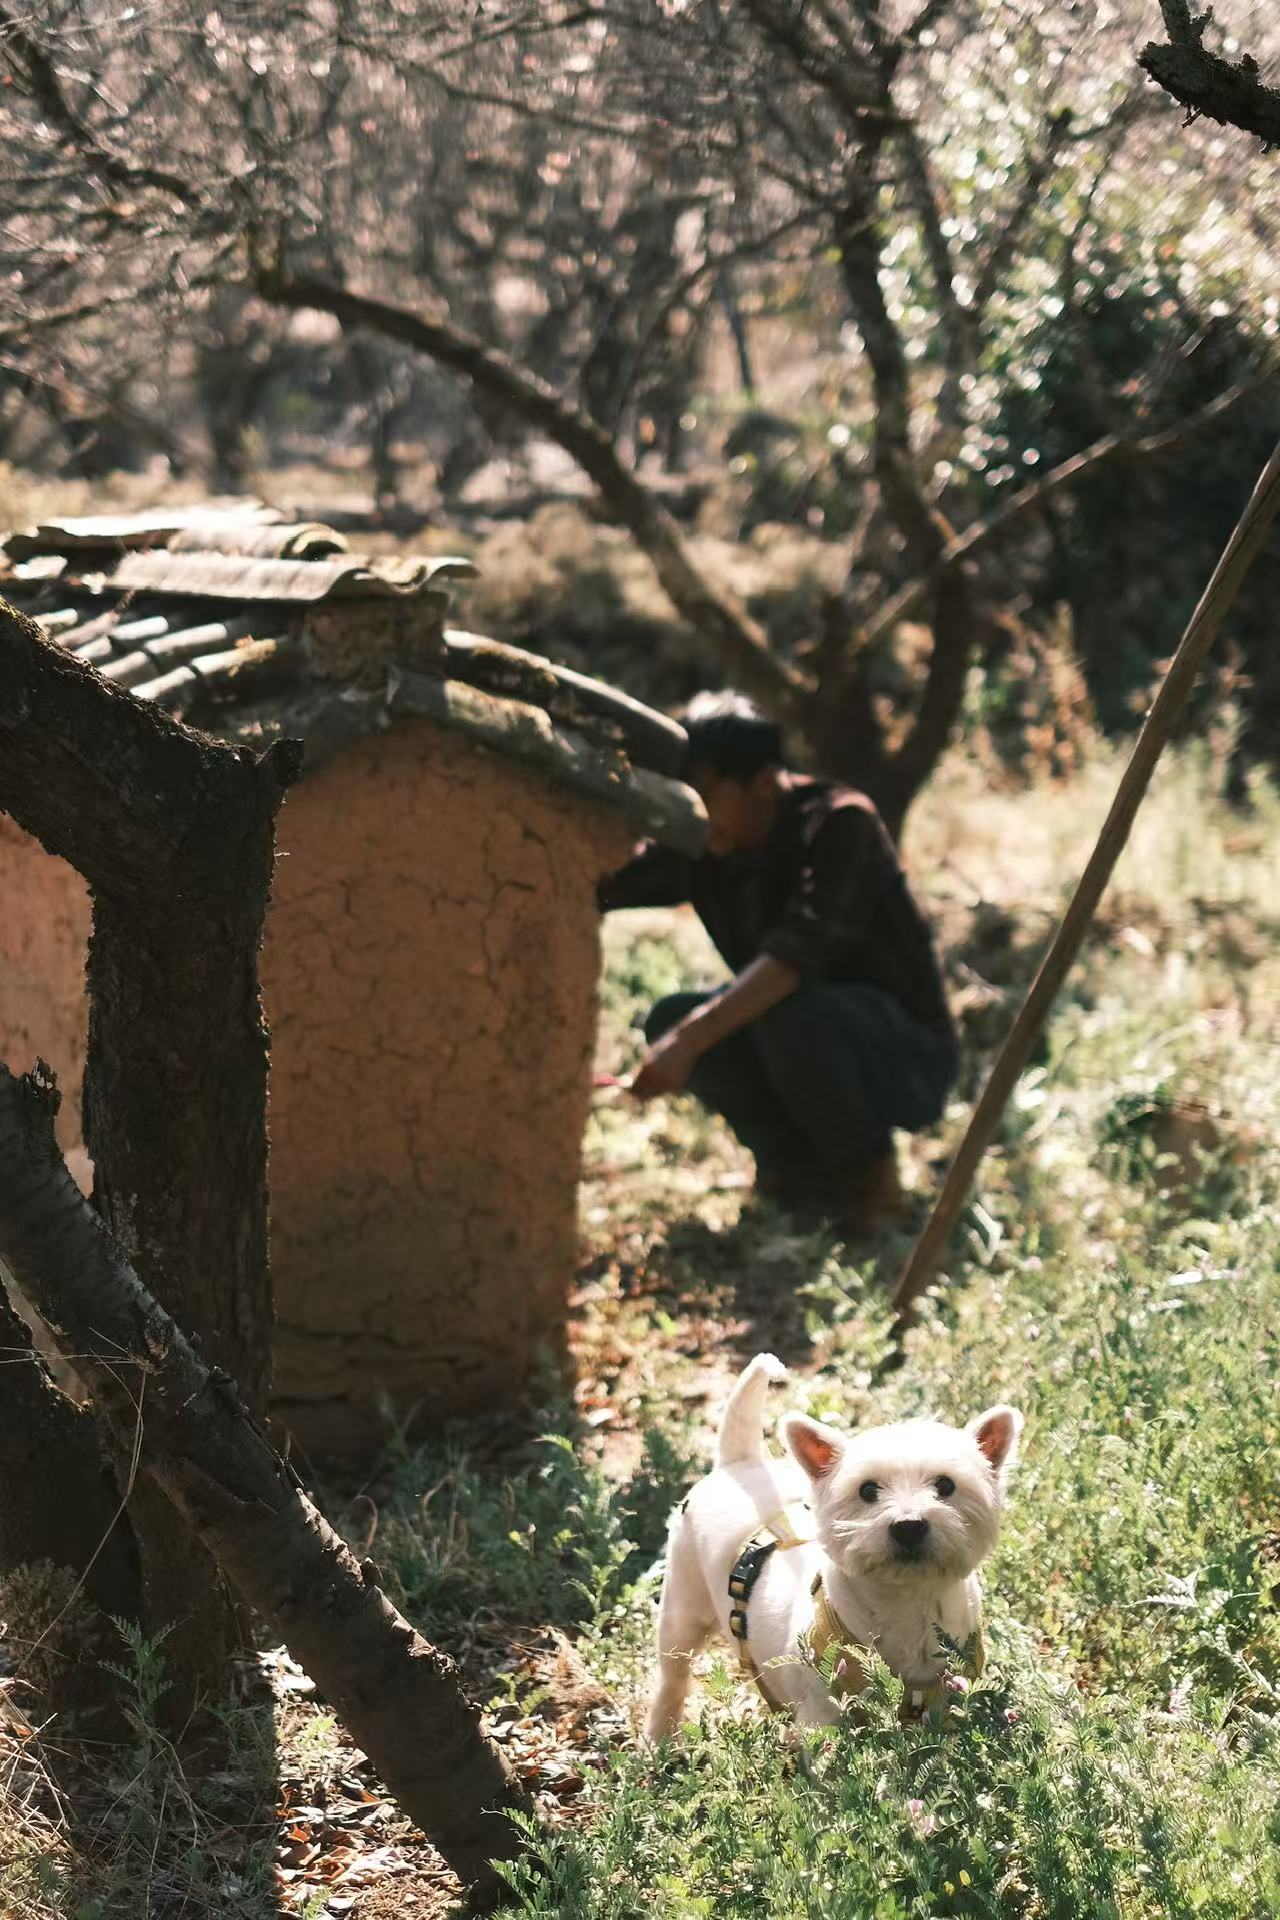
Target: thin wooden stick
[[1228, 577]]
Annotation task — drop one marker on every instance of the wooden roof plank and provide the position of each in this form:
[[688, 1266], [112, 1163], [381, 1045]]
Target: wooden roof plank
[[96, 651], [226, 576], [184, 643], [175, 691], [90, 629], [149, 627], [127, 669]]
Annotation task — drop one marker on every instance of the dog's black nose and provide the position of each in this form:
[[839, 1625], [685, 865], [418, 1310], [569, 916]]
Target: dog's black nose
[[909, 1535]]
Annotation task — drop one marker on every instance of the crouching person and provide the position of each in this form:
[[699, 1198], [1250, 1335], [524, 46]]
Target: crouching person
[[835, 1029]]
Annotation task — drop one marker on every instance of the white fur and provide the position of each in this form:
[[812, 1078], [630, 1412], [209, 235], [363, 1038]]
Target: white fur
[[888, 1601]]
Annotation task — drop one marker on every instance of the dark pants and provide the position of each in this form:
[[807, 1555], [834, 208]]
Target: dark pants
[[822, 1078]]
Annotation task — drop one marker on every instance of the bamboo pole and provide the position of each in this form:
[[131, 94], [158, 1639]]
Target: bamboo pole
[[1228, 577]]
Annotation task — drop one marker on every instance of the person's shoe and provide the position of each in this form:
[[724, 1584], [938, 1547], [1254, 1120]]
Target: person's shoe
[[862, 1200], [808, 1195], [873, 1197]]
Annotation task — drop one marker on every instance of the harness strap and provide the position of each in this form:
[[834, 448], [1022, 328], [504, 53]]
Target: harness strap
[[850, 1673], [778, 1535]]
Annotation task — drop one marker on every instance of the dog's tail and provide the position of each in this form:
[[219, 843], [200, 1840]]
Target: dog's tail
[[742, 1423]]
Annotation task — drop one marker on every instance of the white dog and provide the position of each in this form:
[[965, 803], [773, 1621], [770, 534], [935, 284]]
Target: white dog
[[873, 1544]]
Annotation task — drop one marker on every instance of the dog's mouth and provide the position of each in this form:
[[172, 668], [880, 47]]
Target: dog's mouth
[[910, 1556], [910, 1562], [894, 1563], [926, 1555]]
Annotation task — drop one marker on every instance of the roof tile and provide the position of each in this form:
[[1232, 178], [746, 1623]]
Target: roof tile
[[253, 623]]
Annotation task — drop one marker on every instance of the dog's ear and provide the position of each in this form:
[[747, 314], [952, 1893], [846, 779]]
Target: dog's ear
[[817, 1448], [997, 1432]]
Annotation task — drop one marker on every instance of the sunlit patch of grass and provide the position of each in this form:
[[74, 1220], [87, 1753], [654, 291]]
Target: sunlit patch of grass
[[1121, 1757]]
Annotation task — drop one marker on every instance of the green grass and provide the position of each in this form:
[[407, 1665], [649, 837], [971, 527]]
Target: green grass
[[1121, 1757]]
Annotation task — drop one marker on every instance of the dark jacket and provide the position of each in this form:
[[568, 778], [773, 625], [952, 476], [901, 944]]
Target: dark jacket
[[825, 893]]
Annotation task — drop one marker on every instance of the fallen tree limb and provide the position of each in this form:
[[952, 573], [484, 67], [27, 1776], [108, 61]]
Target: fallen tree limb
[[69, 1505], [1228, 577], [398, 1696]]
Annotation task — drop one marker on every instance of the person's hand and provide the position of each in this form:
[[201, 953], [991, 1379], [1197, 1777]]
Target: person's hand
[[666, 1067]]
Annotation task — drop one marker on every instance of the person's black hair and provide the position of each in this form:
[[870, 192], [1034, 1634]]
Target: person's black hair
[[728, 733]]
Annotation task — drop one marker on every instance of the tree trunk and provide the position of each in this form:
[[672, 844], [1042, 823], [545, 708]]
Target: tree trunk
[[60, 1502], [727, 295], [398, 1696], [174, 834], [957, 630]]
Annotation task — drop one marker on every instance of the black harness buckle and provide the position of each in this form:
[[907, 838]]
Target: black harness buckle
[[743, 1575]]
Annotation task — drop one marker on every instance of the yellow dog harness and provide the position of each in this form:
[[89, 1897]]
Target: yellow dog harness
[[850, 1671]]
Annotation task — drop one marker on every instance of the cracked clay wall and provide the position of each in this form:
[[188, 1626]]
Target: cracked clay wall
[[44, 935], [430, 976]]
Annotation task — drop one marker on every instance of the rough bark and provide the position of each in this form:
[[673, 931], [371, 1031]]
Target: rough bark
[[60, 1502], [958, 631], [398, 1696], [1231, 92], [174, 834], [860, 243]]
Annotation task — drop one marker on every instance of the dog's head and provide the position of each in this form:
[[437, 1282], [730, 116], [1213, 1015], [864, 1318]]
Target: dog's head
[[920, 1501]]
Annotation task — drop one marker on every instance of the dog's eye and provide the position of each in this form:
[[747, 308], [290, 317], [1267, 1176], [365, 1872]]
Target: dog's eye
[[869, 1491], [944, 1486]]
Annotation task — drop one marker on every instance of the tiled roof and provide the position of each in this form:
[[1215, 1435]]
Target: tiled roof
[[249, 625]]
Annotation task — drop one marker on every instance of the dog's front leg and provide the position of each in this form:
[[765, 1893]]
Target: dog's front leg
[[799, 1689]]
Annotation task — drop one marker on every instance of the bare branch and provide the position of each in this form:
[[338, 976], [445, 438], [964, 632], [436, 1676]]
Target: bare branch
[[47, 90], [860, 241], [20, 332], [710, 610], [927, 19], [1004, 243], [858, 91], [713, 263], [958, 320], [1111, 447], [1231, 93]]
